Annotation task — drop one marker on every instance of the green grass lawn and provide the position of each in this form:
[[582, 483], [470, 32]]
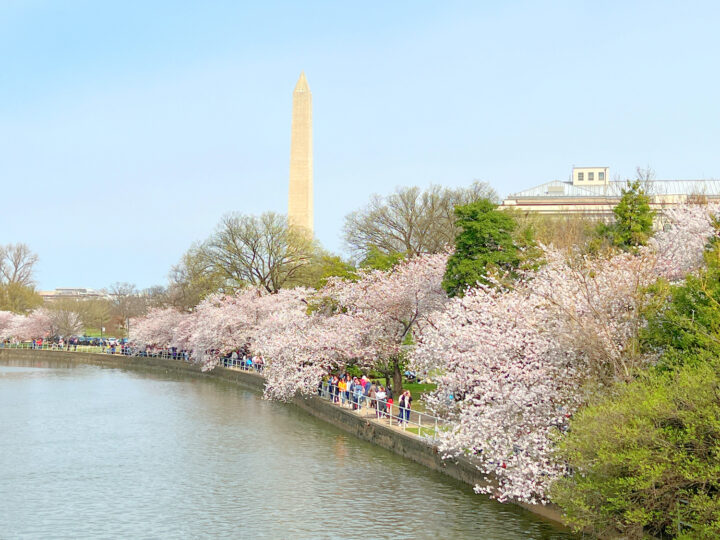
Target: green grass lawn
[[417, 390], [95, 332], [422, 432]]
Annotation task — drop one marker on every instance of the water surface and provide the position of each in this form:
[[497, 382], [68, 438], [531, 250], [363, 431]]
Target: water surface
[[104, 453]]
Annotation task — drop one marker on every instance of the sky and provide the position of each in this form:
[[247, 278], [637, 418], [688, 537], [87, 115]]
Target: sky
[[129, 128]]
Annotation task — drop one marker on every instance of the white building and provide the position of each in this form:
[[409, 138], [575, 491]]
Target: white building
[[591, 192]]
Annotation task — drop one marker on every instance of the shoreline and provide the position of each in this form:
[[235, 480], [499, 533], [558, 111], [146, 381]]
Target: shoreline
[[399, 442]]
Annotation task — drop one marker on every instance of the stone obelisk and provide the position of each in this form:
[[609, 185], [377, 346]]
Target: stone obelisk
[[300, 207]]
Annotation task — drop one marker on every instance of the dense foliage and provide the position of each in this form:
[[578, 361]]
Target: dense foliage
[[684, 322], [647, 457], [484, 243], [19, 298], [633, 219]]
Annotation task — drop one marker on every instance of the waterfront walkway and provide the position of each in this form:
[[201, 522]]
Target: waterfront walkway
[[420, 424]]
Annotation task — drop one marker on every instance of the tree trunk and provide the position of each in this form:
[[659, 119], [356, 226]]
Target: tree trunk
[[397, 380]]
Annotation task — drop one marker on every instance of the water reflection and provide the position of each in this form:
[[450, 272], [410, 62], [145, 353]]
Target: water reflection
[[99, 452]]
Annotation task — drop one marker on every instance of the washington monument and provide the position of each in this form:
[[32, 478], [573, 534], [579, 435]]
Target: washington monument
[[300, 207]]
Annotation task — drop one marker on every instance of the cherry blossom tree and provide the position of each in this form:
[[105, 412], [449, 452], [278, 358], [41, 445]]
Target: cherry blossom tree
[[596, 302], [686, 230], [40, 323], [300, 348], [7, 323], [504, 384], [37, 324], [368, 322], [221, 324], [157, 328], [512, 365], [390, 308]]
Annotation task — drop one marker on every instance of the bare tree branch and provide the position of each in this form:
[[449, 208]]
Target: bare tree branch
[[17, 265], [258, 250], [410, 221]]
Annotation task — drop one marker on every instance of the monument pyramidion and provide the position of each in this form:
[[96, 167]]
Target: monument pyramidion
[[300, 206]]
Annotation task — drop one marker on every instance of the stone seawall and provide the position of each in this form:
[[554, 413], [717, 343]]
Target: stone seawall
[[403, 444]]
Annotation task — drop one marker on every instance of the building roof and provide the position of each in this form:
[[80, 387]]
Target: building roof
[[558, 188], [72, 293]]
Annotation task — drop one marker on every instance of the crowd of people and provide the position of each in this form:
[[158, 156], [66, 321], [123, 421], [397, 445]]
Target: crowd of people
[[356, 392], [61, 344], [243, 360]]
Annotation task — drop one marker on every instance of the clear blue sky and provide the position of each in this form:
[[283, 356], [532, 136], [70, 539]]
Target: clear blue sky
[[128, 128]]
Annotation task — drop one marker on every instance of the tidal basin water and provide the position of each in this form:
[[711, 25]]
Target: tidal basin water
[[89, 452]]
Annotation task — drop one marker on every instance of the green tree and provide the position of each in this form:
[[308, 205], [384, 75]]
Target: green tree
[[19, 298], [485, 242], [96, 314], [683, 321], [321, 267], [378, 259], [192, 280], [646, 457], [633, 219]]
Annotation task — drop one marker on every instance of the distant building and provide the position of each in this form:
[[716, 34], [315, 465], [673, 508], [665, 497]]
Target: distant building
[[591, 192], [71, 294]]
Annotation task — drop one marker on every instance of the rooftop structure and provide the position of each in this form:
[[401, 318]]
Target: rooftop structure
[[71, 294], [591, 192]]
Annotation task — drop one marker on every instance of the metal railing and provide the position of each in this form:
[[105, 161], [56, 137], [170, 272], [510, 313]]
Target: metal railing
[[244, 364], [118, 350], [382, 410]]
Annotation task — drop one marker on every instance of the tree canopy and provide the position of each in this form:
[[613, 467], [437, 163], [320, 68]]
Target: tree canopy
[[484, 242], [633, 219], [17, 264], [261, 251], [646, 456], [192, 280], [410, 221]]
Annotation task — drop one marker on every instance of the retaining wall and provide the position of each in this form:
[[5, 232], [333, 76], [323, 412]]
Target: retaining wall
[[404, 444]]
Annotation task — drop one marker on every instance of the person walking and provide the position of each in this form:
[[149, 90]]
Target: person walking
[[389, 394], [404, 403], [371, 391], [380, 396], [357, 394], [348, 384], [342, 386]]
